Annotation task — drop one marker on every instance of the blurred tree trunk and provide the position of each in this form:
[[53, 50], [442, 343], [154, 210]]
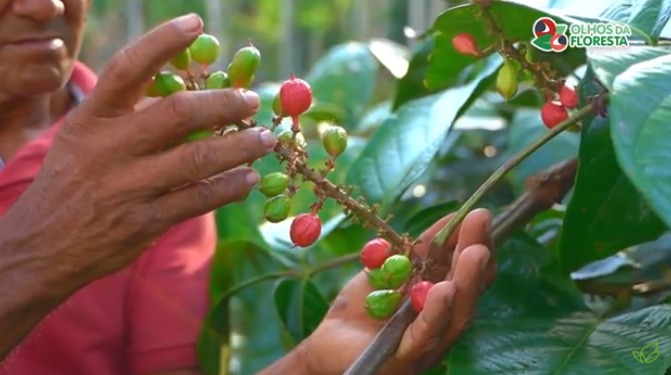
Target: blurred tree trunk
[[398, 19], [286, 51], [135, 26]]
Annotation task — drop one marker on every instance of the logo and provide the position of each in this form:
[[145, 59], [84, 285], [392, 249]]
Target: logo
[[550, 36], [647, 354]]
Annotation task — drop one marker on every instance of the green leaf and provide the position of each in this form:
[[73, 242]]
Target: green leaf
[[300, 306], [577, 343], [526, 127], [404, 146], [345, 77], [422, 220], [533, 322], [242, 262], [411, 86], [606, 212], [647, 16], [514, 19]]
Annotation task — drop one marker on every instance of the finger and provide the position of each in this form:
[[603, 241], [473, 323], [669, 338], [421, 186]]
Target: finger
[[426, 237], [124, 78], [204, 196], [172, 118], [197, 160], [425, 333], [469, 284], [475, 229]]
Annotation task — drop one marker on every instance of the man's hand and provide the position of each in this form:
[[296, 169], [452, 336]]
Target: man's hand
[[450, 306], [114, 180], [117, 177]]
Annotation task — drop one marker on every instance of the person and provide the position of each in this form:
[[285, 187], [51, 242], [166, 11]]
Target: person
[[106, 230]]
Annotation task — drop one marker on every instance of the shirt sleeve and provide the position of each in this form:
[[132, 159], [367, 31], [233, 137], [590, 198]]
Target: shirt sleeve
[[168, 298]]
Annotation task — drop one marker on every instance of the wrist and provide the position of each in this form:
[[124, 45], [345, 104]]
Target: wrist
[[296, 362]]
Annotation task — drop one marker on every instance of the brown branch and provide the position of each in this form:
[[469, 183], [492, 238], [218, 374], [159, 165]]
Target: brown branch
[[361, 210], [542, 190]]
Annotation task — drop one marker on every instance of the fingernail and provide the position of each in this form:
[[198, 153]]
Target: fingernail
[[252, 178], [252, 99], [189, 23], [267, 138]]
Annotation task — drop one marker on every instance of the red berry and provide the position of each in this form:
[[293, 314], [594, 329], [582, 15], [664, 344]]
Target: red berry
[[465, 44], [418, 294], [568, 97], [553, 113], [295, 97], [375, 252], [305, 230]]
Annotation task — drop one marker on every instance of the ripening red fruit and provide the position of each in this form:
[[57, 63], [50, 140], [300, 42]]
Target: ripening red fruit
[[305, 230], [295, 98], [553, 114], [375, 252], [418, 293], [465, 44], [568, 97]]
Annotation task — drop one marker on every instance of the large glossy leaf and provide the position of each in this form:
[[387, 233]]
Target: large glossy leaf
[[300, 306], [240, 262], [404, 146], [411, 86], [514, 19], [648, 16], [606, 213], [531, 322], [345, 78], [525, 128], [640, 109]]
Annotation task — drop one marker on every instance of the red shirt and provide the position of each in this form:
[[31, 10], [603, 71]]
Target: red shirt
[[143, 319]]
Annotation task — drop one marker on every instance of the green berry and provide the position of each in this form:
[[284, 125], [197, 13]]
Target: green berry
[[397, 269], [377, 278], [168, 83], [205, 49], [277, 106], [274, 184], [334, 140], [382, 304], [506, 80], [182, 60], [287, 138], [277, 208], [243, 66], [217, 80], [199, 134], [152, 89]]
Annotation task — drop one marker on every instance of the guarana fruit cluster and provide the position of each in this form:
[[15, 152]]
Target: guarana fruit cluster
[[388, 273], [556, 108]]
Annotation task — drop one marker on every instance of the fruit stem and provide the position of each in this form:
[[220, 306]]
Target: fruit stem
[[444, 233]]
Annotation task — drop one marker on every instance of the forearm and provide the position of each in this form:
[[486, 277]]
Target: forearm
[[33, 282], [294, 363]]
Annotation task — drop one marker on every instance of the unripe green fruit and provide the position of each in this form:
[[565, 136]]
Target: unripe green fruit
[[277, 106], [287, 138], [199, 134], [217, 80], [243, 66], [334, 140], [205, 49], [181, 61], [377, 278], [277, 208], [168, 83], [152, 90], [506, 80], [397, 269], [274, 184], [382, 304]]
